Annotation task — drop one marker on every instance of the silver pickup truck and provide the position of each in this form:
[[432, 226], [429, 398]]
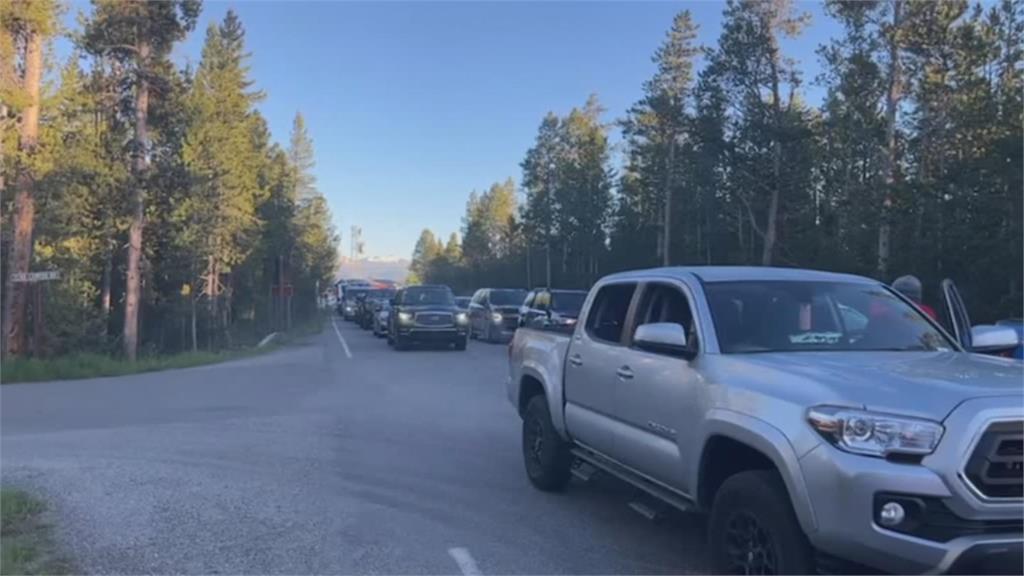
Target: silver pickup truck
[[822, 420]]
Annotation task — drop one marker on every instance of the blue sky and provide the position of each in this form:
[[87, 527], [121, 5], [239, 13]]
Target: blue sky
[[412, 106]]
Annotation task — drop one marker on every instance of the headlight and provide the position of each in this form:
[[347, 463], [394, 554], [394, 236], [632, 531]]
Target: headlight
[[874, 434], [404, 318], [461, 318], [496, 318]]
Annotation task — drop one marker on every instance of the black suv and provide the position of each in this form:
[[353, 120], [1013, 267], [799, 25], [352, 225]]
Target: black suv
[[426, 314], [494, 313]]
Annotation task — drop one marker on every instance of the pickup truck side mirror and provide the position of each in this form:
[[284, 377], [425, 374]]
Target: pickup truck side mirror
[[663, 338], [993, 338]]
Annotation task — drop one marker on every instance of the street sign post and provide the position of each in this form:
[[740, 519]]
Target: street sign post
[[44, 276]]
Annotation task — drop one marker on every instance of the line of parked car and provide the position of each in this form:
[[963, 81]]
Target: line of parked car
[[433, 314]]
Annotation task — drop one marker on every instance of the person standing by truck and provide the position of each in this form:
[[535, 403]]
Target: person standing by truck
[[910, 287]]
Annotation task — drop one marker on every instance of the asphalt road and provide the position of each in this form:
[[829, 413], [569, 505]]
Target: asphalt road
[[316, 460]]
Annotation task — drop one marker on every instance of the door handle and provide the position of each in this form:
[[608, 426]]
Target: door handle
[[625, 373], [576, 360]]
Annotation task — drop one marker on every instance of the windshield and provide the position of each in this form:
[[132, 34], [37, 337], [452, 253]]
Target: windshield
[[507, 297], [794, 316], [567, 302], [428, 297]]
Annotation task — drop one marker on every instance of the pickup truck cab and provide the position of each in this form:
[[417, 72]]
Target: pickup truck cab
[[819, 419]]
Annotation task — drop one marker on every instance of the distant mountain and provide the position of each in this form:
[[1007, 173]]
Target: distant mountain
[[384, 268]]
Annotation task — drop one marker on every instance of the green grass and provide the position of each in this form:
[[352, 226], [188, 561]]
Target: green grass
[[91, 365], [26, 542]]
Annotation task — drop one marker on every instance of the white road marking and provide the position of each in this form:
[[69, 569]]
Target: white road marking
[[465, 561], [341, 339]]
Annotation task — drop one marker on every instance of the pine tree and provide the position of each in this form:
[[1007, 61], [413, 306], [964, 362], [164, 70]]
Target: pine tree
[[140, 37], [540, 180], [300, 154], [28, 27], [756, 75], [654, 127], [220, 214]]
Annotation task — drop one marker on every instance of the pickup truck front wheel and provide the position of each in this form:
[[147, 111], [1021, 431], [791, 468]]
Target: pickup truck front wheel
[[753, 528], [547, 456]]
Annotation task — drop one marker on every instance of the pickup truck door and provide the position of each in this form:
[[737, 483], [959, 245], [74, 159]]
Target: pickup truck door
[[663, 396], [955, 314], [593, 367]]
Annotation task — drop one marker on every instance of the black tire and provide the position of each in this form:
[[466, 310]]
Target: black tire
[[460, 343], [546, 455], [754, 530]]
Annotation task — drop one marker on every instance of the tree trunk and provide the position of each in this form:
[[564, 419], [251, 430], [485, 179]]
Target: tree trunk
[[108, 266], [141, 161], [768, 249], [195, 340], [547, 264], [211, 294], [892, 102], [15, 303], [667, 225]]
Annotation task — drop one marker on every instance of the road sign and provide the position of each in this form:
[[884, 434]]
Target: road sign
[[35, 276]]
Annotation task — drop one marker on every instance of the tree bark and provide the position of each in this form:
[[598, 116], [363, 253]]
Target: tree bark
[[141, 162], [14, 319], [892, 102]]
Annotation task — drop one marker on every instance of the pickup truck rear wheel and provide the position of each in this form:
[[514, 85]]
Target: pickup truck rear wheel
[[546, 454], [753, 528]]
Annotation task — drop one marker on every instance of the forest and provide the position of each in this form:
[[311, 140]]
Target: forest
[[157, 192], [911, 164]]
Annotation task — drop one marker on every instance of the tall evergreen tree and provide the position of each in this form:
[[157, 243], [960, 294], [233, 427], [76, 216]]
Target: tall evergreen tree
[[138, 35], [27, 30]]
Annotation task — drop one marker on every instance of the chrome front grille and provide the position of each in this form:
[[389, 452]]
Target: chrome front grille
[[995, 469], [435, 319]]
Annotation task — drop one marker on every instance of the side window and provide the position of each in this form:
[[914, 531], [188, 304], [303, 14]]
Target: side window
[[666, 303], [607, 316], [543, 301]]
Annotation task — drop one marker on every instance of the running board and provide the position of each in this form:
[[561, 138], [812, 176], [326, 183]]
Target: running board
[[622, 473]]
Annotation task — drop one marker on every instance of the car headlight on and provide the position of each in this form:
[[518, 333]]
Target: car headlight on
[[496, 318], [874, 434], [461, 318], [404, 318]]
